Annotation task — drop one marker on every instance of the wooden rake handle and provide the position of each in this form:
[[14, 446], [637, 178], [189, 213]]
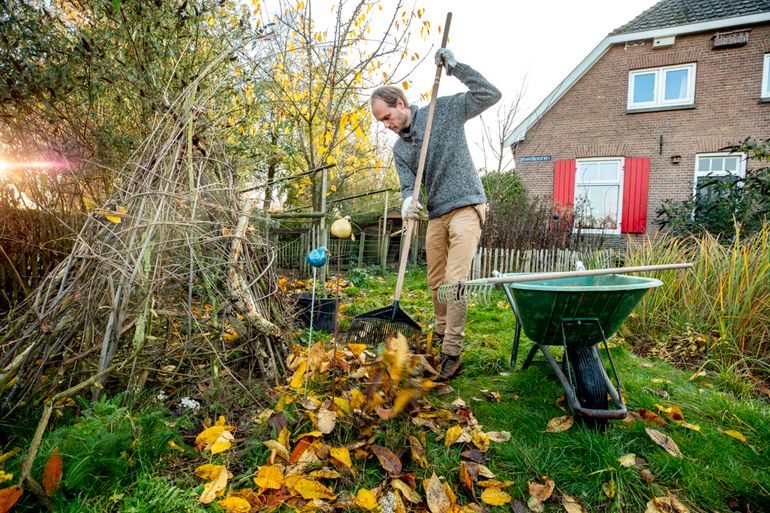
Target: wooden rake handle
[[406, 240]]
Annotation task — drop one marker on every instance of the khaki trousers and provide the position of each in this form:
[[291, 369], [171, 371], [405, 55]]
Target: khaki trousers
[[450, 245]]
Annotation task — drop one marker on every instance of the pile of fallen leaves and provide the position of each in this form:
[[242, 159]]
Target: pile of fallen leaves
[[345, 395]]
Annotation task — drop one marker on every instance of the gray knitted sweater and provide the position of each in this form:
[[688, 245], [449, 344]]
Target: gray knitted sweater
[[450, 178]]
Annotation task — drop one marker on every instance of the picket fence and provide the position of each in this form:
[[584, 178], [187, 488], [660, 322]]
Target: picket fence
[[538, 260]]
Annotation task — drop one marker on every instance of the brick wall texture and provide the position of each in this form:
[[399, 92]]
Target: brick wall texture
[[591, 119]]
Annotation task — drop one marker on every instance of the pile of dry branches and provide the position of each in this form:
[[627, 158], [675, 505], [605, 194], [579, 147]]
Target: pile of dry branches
[[155, 278]]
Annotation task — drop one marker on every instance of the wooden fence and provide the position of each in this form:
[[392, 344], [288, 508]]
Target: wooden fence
[[369, 249]]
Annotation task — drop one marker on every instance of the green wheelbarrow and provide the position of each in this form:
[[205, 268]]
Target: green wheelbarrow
[[578, 314]]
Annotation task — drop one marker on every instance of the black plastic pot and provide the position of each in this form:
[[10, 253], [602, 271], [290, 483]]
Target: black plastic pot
[[324, 314]]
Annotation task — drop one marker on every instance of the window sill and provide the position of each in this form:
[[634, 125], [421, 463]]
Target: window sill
[[689, 106], [764, 99]]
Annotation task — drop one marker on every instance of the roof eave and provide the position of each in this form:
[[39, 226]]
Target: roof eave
[[521, 130]]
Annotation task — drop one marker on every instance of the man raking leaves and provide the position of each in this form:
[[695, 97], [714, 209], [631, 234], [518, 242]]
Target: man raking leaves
[[455, 199]]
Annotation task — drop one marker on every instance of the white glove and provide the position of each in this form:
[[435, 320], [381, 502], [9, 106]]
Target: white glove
[[445, 57], [408, 211]]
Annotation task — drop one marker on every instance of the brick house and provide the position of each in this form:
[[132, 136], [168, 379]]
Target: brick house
[[648, 113]]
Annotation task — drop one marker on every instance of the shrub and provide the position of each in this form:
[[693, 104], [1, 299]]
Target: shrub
[[724, 202]]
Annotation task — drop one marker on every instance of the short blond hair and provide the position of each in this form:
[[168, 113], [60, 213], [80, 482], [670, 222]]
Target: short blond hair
[[390, 95]]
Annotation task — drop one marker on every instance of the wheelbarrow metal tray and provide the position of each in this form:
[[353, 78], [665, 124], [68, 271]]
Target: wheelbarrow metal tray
[[549, 306]]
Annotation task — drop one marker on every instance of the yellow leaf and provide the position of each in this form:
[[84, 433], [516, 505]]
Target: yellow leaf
[[208, 471], [560, 424], [269, 477], [365, 499], [495, 497], [343, 405], [174, 445], [325, 473], [223, 443], [627, 460], [357, 349], [407, 491], [405, 85], [452, 434], [610, 488], [298, 379], [279, 449], [333, 188], [357, 399], [215, 488], [673, 412], [402, 400], [235, 505], [342, 455], [735, 434], [210, 435], [310, 489]]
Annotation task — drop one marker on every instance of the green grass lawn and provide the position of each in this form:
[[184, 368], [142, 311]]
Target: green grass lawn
[[716, 473], [120, 459]]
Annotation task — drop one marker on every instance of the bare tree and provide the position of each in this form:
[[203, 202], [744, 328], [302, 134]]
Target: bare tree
[[497, 157]]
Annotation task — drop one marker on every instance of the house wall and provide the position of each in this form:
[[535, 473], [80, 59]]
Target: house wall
[[590, 120]]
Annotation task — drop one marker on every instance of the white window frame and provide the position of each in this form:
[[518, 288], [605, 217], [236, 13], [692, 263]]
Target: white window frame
[[765, 94], [660, 86], [740, 170], [619, 182]]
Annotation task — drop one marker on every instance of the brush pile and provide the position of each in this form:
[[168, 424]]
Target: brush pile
[[167, 280]]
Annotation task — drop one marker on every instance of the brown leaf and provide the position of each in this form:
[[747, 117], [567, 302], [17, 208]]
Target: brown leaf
[[541, 491], [664, 441], [418, 452], [475, 455], [52, 472], [674, 412], [651, 416], [535, 504], [469, 474], [560, 424], [300, 448], [647, 475], [518, 507], [389, 461], [8, 497], [436, 496]]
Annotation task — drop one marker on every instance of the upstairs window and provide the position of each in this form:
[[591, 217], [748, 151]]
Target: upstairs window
[[598, 186], [714, 169], [766, 78], [671, 86]]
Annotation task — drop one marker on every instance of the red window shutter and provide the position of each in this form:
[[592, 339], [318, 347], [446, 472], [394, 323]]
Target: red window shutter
[[635, 188], [563, 194], [564, 184]]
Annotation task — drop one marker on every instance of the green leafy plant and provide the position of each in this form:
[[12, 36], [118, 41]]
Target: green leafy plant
[[723, 202]]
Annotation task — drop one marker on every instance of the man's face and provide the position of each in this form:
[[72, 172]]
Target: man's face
[[395, 118]]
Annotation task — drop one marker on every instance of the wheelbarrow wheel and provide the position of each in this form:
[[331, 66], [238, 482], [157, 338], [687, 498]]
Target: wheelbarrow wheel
[[590, 386]]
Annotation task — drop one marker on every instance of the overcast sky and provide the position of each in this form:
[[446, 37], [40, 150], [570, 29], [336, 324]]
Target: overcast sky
[[510, 40]]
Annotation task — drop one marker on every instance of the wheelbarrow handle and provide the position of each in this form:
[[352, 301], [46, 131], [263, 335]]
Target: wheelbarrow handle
[[503, 280]]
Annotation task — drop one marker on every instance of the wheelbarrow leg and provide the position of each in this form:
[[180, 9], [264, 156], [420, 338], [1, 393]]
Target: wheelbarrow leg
[[517, 332]]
